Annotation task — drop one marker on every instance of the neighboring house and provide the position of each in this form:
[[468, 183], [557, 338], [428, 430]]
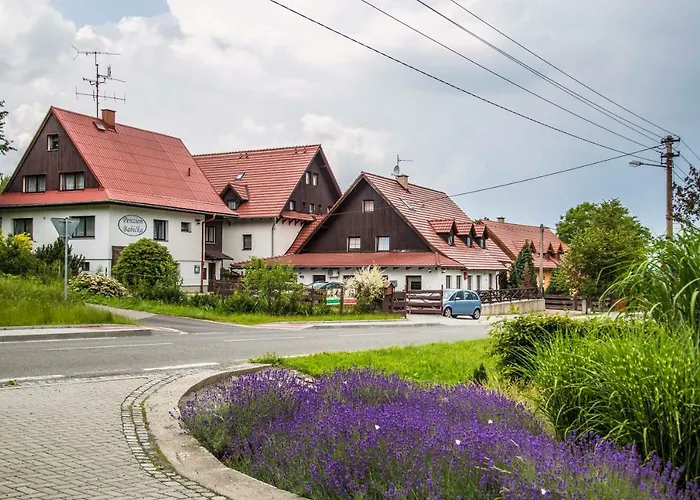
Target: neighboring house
[[123, 183], [417, 235], [275, 192], [511, 238]]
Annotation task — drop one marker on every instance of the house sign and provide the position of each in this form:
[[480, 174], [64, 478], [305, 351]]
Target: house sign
[[132, 225]]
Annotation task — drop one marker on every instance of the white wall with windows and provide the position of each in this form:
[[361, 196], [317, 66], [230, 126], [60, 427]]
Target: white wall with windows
[[245, 239]]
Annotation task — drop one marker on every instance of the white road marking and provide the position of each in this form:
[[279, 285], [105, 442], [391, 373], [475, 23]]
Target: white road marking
[[31, 379], [179, 367], [264, 338], [53, 340], [115, 346], [369, 334]]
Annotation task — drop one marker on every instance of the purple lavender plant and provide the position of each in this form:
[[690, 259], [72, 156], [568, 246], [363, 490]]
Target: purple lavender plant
[[363, 434]]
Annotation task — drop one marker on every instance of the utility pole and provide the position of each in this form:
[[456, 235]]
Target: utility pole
[[542, 257], [100, 79], [669, 155]]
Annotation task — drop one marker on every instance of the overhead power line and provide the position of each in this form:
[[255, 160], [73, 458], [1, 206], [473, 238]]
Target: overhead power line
[[460, 54], [610, 114], [451, 85], [689, 149], [559, 69]]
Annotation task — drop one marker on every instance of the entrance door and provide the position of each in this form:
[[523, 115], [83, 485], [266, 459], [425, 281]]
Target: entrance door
[[212, 273]]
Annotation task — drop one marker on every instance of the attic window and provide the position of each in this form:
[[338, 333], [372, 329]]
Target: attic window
[[451, 239], [100, 126], [233, 204], [239, 176], [52, 142]]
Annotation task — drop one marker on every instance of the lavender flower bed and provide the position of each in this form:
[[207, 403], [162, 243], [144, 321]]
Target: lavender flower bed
[[365, 435]]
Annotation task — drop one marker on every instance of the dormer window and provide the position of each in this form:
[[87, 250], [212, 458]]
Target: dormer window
[[482, 242], [451, 239], [52, 142], [469, 241], [292, 206], [233, 204]]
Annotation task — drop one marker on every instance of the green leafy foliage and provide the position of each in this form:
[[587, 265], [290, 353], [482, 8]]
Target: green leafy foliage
[[4, 181], [638, 387], [686, 199], [523, 273], [368, 285], [97, 284], [5, 144], [274, 287], [16, 255], [148, 270], [52, 257], [557, 283]]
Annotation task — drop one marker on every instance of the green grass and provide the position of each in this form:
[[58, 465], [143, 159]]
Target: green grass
[[241, 319], [443, 363], [28, 302]]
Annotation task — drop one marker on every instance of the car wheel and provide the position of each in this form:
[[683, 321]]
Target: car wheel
[[448, 312], [477, 314]]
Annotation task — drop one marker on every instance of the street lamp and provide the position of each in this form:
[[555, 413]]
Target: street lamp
[[635, 164]]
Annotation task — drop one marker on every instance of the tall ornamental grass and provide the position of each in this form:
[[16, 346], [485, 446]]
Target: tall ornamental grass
[[365, 435], [640, 388]]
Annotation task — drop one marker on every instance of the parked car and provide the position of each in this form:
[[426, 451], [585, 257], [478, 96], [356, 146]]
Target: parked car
[[327, 285], [461, 303]]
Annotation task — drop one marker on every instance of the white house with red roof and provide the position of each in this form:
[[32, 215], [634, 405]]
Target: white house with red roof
[[417, 235], [123, 183]]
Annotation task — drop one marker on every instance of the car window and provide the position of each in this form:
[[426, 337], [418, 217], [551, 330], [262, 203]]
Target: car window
[[473, 296], [458, 295]]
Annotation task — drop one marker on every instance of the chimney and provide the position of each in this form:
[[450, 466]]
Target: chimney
[[402, 179], [108, 117], [501, 219]]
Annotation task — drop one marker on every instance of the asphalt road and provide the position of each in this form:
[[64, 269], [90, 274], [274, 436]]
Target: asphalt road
[[205, 343]]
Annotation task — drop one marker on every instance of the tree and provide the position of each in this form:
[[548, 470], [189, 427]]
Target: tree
[[523, 273], [557, 283], [579, 219], [5, 145], [686, 206], [16, 255], [148, 270], [575, 221], [4, 181], [52, 255], [611, 239]]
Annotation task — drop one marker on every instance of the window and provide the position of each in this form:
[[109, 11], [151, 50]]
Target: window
[[354, 243], [247, 242], [469, 282], [319, 278], [52, 142], [314, 179], [23, 226], [482, 242], [86, 227], [239, 176], [458, 296], [186, 227], [415, 282], [469, 241], [292, 205], [86, 267], [490, 281], [210, 234], [233, 205], [368, 205], [35, 183], [471, 295], [382, 243], [458, 281], [73, 181], [448, 282], [451, 239], [307, 177], [312, 208], [478, 282], [160, 230]]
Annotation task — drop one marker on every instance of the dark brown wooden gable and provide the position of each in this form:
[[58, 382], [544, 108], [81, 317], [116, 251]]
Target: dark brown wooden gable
[[38, 160], [348, 220], [323, 196]]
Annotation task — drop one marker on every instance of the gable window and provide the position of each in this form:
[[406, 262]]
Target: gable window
[[292, 206], [23, 226], [210, 235], [354, 243], [35, 183], [307, 177], [160, 230], [312, 208], [314, 179], [52, 142], [368, 205], [247, 242], [86, 227], [186, 227], [73, 181], [382, 243], [233, 204], [451, 239]]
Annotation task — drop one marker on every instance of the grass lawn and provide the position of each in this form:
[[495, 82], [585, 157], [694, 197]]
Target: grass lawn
[[442, 362], [26, 302], [241, 319]]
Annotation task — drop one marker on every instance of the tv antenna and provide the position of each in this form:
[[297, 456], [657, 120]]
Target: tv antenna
[[100, 79], [397, 168]]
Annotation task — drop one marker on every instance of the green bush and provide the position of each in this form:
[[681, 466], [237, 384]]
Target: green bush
[[16, 255], [239, 302], [557, 284], [516, 341], [148, 270], [274, 287], [369, 286], [96, 284], [51, 258], [639, 387]]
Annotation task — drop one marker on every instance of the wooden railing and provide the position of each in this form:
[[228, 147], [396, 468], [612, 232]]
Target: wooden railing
[[424, 301], [509, 295]]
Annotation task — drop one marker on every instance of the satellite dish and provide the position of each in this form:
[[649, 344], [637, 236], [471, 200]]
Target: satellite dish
[[396, 172]]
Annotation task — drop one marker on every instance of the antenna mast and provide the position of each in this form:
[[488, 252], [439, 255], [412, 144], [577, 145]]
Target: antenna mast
[[100, 79], [397, 168]]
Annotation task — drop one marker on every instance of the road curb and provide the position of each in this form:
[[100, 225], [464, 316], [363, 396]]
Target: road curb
[[186, 455], [332, 326], [76, 333]]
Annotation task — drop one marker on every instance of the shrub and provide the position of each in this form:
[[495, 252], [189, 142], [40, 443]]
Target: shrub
[[274, 287], [523, 272], [205, 301], [52, 256], [639, 388], [95, 284], [369, 286], [557, 283], [16, 255], [516, 341], [148, 270], [239, 302]]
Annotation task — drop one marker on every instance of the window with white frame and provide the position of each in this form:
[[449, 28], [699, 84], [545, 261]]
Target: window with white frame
[[312, 208], [86, 227], [314, 179], [307, 177], [72, 181], [35, 183], [368, 205], [354, 243], [160, 230], [52, 142], [186, 227], [382, 244], [292, 205], [233, 204]]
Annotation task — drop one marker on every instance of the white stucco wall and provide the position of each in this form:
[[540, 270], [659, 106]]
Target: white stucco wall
[[262, 233], [285, 234]]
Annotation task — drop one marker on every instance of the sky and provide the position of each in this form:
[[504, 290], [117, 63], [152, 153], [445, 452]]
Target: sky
[[241, 74]]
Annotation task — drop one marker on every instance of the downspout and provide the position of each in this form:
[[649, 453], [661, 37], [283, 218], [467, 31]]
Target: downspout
[[201, 268], [272, 237]]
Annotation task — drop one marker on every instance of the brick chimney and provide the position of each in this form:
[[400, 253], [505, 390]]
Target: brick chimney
[[501, 219], [108, 117], [402, 179]]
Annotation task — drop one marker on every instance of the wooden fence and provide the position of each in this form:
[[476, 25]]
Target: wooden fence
[[424, 301]]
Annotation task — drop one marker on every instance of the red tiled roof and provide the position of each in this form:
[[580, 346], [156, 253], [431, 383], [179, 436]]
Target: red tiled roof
[[464, 228], [305, 233], [298, 216], [53, 198], [512, 237], [270, 175], [442, 226], [479, 229], [357, 259], [133, 166]]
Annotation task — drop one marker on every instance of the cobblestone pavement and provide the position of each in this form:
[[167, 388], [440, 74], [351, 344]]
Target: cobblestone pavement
[[80, 439]]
